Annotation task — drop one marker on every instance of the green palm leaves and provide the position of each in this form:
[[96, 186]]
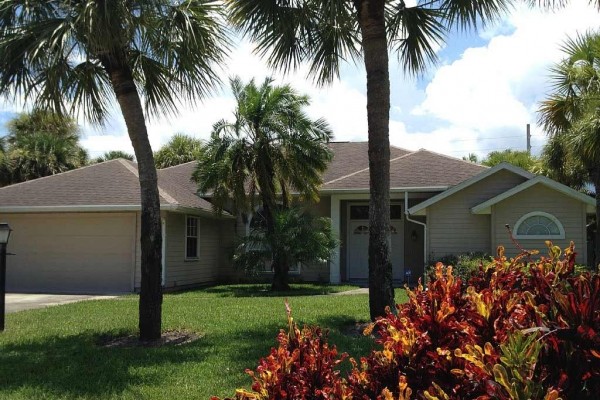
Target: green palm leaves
[[271, 148], [60, 54]]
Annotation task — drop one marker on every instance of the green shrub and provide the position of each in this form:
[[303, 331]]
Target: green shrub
[[464, 265]]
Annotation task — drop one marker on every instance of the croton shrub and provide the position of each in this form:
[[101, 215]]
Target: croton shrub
[[520, 329]]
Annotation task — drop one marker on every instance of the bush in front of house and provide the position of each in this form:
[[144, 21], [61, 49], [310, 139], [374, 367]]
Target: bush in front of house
[[463, 265], [520, 330]]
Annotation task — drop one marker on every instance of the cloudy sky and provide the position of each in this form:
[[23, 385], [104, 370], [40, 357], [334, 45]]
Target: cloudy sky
[[479, 98]]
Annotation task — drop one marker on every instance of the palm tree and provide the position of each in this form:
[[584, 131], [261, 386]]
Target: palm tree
[[180, 149], [571, 112], [325, 33], [80, 55], [271, 149], [40, 144], [304, 238], [113, 155]]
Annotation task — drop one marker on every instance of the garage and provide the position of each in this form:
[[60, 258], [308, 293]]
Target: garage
[[71, 252]]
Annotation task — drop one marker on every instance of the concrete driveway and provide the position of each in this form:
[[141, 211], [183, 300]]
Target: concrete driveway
[[26, 301]]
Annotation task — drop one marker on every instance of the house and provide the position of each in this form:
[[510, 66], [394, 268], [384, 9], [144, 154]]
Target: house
[[79, 231]]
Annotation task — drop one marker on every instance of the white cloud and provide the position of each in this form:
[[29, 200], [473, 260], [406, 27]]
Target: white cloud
[[493, 90]]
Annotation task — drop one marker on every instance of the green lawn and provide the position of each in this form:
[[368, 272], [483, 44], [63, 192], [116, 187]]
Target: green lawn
[[53, 354]]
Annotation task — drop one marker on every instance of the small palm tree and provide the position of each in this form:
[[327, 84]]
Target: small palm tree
[[571, 113], [180, 150], [301, 237], [271, 149], [83, 55]]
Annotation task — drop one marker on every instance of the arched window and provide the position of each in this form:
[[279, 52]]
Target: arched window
[[539, 225]]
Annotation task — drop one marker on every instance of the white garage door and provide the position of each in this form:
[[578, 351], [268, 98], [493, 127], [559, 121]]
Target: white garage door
[[71, 253]]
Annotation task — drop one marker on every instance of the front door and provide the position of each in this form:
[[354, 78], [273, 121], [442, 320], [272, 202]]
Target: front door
[[358, 242]]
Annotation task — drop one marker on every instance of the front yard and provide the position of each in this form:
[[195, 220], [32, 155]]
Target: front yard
[[53, 353]]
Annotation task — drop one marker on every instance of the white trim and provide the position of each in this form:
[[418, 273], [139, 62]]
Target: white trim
[[163, 230], [335, 276], [110, 208], [398, 190], [486, 207], [185, 248], [551, 217], [70, 208], [420, 208]]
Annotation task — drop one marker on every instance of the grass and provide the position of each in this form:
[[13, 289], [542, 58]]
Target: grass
[[52, 353]]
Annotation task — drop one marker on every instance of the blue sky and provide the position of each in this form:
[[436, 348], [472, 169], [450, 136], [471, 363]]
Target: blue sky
[[478, 98]]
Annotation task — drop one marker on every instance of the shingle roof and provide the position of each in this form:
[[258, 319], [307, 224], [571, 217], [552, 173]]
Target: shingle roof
[[111, 183], [349, 157], [419, 169], [115, 183]]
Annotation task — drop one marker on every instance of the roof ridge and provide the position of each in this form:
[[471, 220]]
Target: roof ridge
[[452, 158], [178, 165], [363, 170], [402, 148], [59, 174], [165, 195]]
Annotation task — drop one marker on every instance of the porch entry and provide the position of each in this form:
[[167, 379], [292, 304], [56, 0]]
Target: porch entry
[[358, 241]]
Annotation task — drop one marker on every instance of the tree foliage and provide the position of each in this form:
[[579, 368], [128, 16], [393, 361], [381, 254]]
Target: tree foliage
[[40, 144], [113, 155], [519, 158], [271, 149], [570, 115], [302, 237], [179, 150]]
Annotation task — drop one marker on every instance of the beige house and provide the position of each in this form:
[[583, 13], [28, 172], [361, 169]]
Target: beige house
[[79, 231]]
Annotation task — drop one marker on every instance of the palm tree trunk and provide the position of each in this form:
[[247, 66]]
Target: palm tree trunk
[[150, 306], [371, 18]]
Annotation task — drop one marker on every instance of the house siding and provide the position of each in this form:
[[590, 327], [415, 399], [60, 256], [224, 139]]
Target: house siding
[[453, 229], [540, 198]]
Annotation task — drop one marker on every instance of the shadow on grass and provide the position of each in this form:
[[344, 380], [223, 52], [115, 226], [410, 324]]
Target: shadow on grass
[[263, 290], [75, 366]]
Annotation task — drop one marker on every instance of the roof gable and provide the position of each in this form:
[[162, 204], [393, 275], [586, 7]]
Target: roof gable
[[485, 207], [420, 208]]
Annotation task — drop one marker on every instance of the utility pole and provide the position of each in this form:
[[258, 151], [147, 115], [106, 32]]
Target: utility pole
[[528, 139]]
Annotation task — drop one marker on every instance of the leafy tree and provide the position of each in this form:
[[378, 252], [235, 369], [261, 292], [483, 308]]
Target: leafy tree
[[519, 158], [270, 149], [298, 235], [571, 114], [560, 165], [471, 157], [325, 33], [113, 155], [180, 150], [82, 55], [40, 144]]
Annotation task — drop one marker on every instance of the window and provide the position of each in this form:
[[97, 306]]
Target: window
[[191, 238], [539, 225]]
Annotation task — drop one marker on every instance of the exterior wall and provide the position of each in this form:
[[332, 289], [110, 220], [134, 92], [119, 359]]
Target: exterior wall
[[453, 229], [570, 213], [213, 249], [182, 272]]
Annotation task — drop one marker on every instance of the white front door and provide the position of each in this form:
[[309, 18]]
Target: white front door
[[358, 246]]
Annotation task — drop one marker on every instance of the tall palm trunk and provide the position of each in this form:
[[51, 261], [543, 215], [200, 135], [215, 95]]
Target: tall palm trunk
[[371, 18], [150, 306]]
